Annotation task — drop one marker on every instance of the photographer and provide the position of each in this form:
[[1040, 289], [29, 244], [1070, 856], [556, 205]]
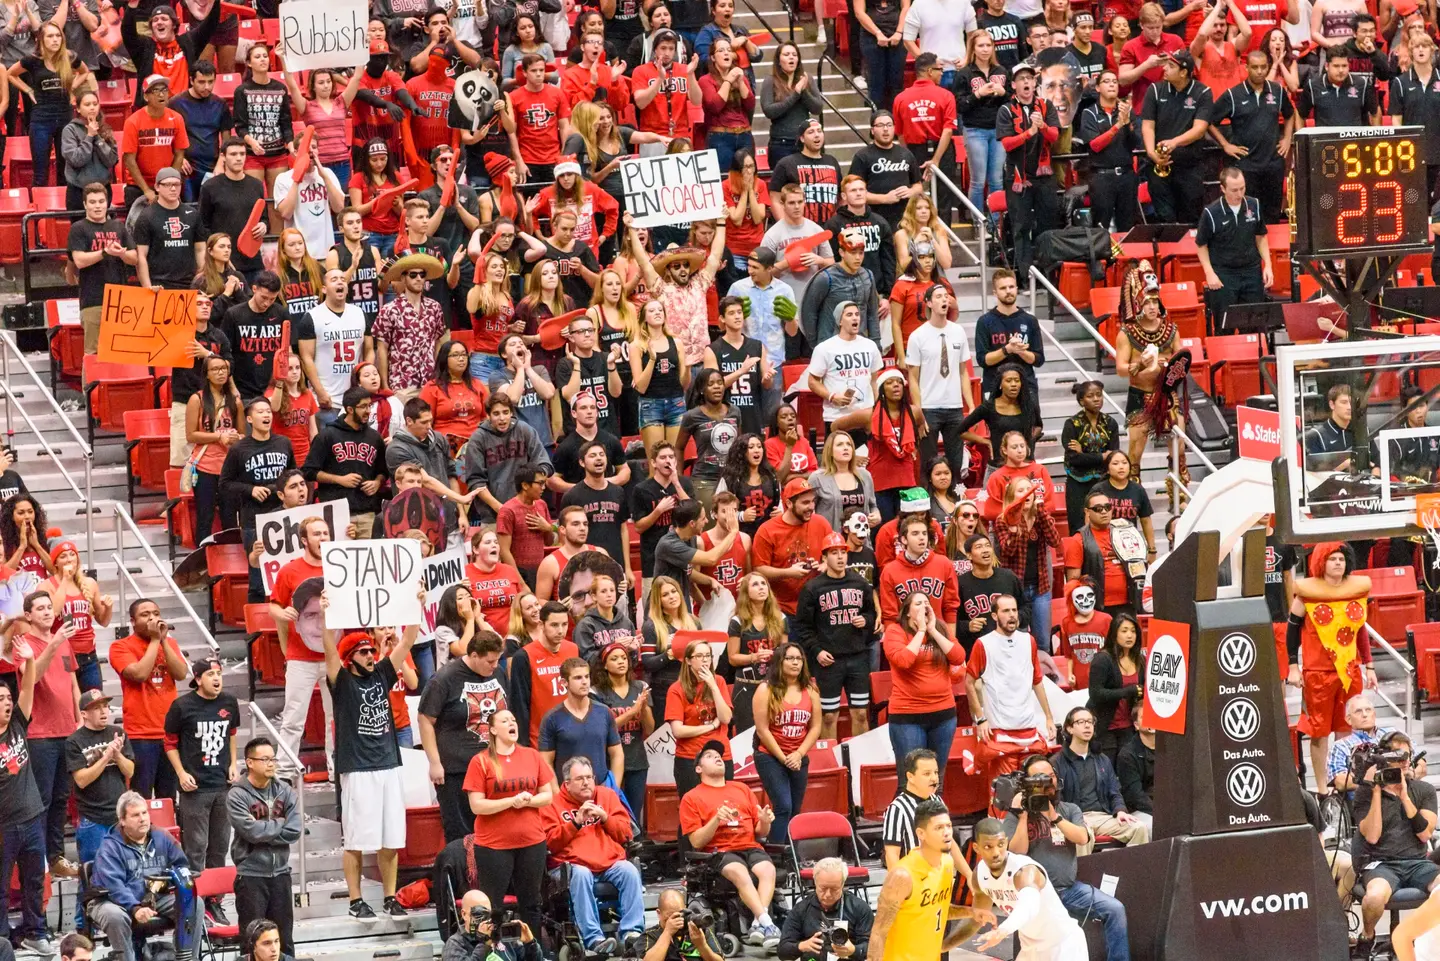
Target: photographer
[[1395, 814], [1364, 730], [665, 942], [1051, 831], [475, 941], [831, 923]]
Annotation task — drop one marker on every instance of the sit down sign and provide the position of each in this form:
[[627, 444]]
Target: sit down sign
[[372, 583]]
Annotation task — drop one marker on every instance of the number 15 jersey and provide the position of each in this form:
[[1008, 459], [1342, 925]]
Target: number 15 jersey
[[339, 344]]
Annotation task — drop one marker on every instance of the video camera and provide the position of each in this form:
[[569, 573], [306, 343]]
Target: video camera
[[509, 928], [1037, 791], [1388, 764]]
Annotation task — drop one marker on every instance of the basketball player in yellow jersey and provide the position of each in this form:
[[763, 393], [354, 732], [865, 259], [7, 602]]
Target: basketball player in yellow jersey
[[915, 901]]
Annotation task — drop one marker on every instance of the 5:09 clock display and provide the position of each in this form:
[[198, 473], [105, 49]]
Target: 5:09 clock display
[[1360, 191]]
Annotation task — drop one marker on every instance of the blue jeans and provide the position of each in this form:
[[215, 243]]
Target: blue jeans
[[1039, 605], [87, 672], [45, 143], [385, 243], [936, 735], [405, 737], [884, 70], [153, 774], [626, 878], [424, 657], [633, 787], [325, 418], [191, 184], [786, 790], [47, 760], [947, 77], [483, 366], [24, 844], [1080, 899], [726, 145], [341, 171], [88, 836], [662, 411], [986, 157]]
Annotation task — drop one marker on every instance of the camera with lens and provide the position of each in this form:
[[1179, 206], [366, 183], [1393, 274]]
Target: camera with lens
[[699, 913], [1037, 791], [1388, 765], [836, 932]]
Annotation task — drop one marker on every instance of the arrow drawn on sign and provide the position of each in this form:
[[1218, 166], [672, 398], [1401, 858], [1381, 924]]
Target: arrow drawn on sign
[[142, 343]]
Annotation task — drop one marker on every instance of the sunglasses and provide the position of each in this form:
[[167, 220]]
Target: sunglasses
[[968, 515], [1099, 508], [415, 273]]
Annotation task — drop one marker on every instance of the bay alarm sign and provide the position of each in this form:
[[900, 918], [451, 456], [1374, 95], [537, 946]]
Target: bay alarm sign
[[1167, 672]]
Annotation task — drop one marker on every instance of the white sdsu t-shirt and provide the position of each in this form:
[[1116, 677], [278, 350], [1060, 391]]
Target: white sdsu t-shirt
[[933, 349], [339, 345], [843, 364], [313, 216]]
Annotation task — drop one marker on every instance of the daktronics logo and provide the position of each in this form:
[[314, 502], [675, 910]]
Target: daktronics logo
[[1259, 904]]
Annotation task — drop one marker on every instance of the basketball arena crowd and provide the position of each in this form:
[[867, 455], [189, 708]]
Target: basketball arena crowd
[[745, 479]]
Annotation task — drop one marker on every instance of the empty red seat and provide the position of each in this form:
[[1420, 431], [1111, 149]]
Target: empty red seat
[[147, 441], [180, 509], [878, 784], [1395, 601], [1234, 367], [52, 232], [662, 811], [162, 815], [112, 389], [1199, 364], [15, 203], [19, 164], [229, 567], [1425, 655]]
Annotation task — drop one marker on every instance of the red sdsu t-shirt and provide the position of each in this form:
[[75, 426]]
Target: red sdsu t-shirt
[[701, 802], [669, 113], [537, 122], [1081, 642], [495, 592], [289, 578], [522, 770]]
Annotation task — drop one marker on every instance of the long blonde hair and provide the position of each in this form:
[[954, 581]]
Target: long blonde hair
[[747, 610], [535, 296], [657, 618], [493, 298], [629, 317], [517, 626], [583, 118], [310, 269], [909, 222], [827, 453], [61, 63]]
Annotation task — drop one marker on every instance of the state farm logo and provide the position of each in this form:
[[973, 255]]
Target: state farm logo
[[1240, 719], [1236, 655], [1260, 433], [1245, 784]]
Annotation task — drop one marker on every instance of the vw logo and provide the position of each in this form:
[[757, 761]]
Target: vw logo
[[1245, 784], [1240, 719], [1237, 654]]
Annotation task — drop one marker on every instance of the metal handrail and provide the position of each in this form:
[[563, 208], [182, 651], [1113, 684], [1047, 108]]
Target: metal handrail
[[1056, 296], [981, 221], [148, 551], [819, 88], [1089, 374], [1409, 712], [11, 346], [125, 573], [284, 749], [789, 17]]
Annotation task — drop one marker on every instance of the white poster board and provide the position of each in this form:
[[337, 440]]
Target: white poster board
[[673, 188], [324, 33], [279, 534], [439, 574], [660, 749], [372, 583]]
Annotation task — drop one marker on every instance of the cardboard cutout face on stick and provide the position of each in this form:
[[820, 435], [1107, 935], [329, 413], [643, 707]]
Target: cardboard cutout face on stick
[[476, 95]]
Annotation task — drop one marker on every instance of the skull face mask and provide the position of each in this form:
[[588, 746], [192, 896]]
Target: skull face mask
[[859, 525], [1083, 599]]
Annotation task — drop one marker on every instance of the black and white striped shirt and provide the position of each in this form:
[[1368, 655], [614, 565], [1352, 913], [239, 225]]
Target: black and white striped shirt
[[899, 828]]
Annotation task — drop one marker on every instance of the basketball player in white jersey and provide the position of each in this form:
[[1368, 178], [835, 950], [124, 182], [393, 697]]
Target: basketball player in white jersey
[[1018, 885], [1417, 936]]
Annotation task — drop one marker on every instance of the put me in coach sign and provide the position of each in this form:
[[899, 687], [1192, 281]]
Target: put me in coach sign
[[673, 188]]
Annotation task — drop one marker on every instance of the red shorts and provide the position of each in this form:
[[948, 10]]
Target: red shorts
[[1325, 699], [283, 160], [1004, 755], [1282, 654]]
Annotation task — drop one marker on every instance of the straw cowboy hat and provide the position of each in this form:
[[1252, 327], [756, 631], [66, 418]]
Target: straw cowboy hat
[[433, 268]]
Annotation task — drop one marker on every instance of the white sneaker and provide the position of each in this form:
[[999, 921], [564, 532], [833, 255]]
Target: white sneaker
[[861, 84], [43, 946], [771, 939], [820, 35], [756, 935]]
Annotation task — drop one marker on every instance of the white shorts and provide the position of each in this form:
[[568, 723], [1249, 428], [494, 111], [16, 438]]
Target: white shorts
[[1071, 947], [372, 810]]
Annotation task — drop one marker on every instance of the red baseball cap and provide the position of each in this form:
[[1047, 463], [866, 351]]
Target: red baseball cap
[[794, 487]]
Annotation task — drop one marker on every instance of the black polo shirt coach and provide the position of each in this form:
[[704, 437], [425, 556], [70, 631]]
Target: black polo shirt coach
[[1350, 104], [1229, 236], [1257, 118]]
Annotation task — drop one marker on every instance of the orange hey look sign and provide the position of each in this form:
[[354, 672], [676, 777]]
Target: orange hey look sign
[[153, 328]]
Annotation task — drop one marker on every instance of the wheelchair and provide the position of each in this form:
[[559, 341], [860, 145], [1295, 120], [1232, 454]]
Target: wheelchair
[[144, 937], [704, 882], [559, 935]]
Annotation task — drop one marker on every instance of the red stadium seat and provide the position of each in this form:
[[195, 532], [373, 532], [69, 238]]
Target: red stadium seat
[[51, 233], [1395, 601], [112, 389], [808, 407], [19, 163], [180, 509], [662, 811], [216, 883], [1075, 284], [162, 816], [147, 441], [67, 340], [1182, 303], [1199, 364], [1425, 654], [878, 784], [822, 834], [229, 567], [1234, 367], [963, 791], [15, 203]]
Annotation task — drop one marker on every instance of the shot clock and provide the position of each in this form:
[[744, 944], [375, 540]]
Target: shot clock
[[1360, 191]]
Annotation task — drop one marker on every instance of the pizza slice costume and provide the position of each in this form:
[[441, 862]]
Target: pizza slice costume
[[1333, 647]]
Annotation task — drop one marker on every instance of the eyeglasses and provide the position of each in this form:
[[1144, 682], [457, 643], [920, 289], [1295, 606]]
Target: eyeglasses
[[578, 331], [262, 760], [1099, 508]]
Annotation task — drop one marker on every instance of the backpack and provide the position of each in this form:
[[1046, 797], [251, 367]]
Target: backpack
[[1088, 245]]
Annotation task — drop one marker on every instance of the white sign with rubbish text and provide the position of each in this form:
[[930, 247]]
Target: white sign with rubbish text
[[324, 33]]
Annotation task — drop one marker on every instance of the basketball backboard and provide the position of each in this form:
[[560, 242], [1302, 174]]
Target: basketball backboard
[[1360, 455]]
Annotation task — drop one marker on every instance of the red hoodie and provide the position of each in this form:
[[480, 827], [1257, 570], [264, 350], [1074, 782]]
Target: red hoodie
[[1081, 642], [934, 575], [585, 840]]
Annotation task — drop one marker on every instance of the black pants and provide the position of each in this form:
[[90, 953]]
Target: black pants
[[1245, 286], [455, 812], [1114, 197], [948, 198], [1032, 211], [269, 898], [1075, 491], [518, 869], [1178, 198], [1266, 183]]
